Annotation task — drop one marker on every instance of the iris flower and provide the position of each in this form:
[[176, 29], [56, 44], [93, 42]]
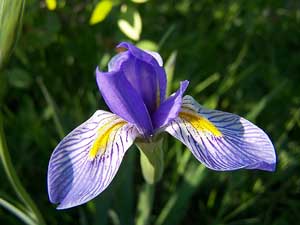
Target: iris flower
[[84, 163]]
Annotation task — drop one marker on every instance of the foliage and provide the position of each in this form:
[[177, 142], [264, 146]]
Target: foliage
[[240, 56]]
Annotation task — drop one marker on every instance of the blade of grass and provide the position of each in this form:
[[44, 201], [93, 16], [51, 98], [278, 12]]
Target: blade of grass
[[290, 124], [243, 206], [124, 203], [145, 203], [166, 36], [52, 106], [14, 179], [259, 107], [170, 68], [224, 214], [175, 208], [17, 212], [115, 220], [230, 79], [207, 82]]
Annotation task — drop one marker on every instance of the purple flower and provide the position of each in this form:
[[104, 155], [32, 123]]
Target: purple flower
[[86, 160]]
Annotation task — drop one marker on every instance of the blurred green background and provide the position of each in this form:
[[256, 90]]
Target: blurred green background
[[240, 56]]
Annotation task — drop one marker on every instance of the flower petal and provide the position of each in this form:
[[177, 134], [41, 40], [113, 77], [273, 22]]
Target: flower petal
[[85, 161], [145, 73], [170, 108], [123, 100], [156, 56], [222, 141], [142, 77], [116, 61], [139, 53]]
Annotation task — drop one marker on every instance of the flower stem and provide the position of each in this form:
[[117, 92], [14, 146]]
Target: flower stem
[[145, 204], [14, 179]]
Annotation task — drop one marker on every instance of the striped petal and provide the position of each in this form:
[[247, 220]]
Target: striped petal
[[222, 141], [85, 161]]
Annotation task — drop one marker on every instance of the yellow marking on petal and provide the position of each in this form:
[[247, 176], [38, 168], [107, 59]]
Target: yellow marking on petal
[[200, 123], [101, 141]]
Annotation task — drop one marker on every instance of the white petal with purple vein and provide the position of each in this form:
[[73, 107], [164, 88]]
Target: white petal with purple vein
[[222, 141], [76, 174]]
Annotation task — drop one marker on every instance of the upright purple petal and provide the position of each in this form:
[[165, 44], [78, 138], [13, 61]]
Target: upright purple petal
[[123, 100], [116, 61], [139, 53], [156, 56], [170, 108], [222, 141], [142, 77], [84, 163], [145, 72]]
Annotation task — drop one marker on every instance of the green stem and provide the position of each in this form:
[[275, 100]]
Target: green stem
[[145, 204], [152, 160], [14, 179]]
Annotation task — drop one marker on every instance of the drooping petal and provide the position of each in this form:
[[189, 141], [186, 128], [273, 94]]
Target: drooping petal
[[123, 100], [85, 161], [222, 141], [170, 108], [144, 70]]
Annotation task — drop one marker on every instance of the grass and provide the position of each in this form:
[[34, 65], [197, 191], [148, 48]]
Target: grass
[[239, 56]]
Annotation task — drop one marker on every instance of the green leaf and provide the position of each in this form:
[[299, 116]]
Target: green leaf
[[130, 23], [11, 16], [139, 1], [51, 4], [170, 68], [147, 45], [19, 78], [101, 11]]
